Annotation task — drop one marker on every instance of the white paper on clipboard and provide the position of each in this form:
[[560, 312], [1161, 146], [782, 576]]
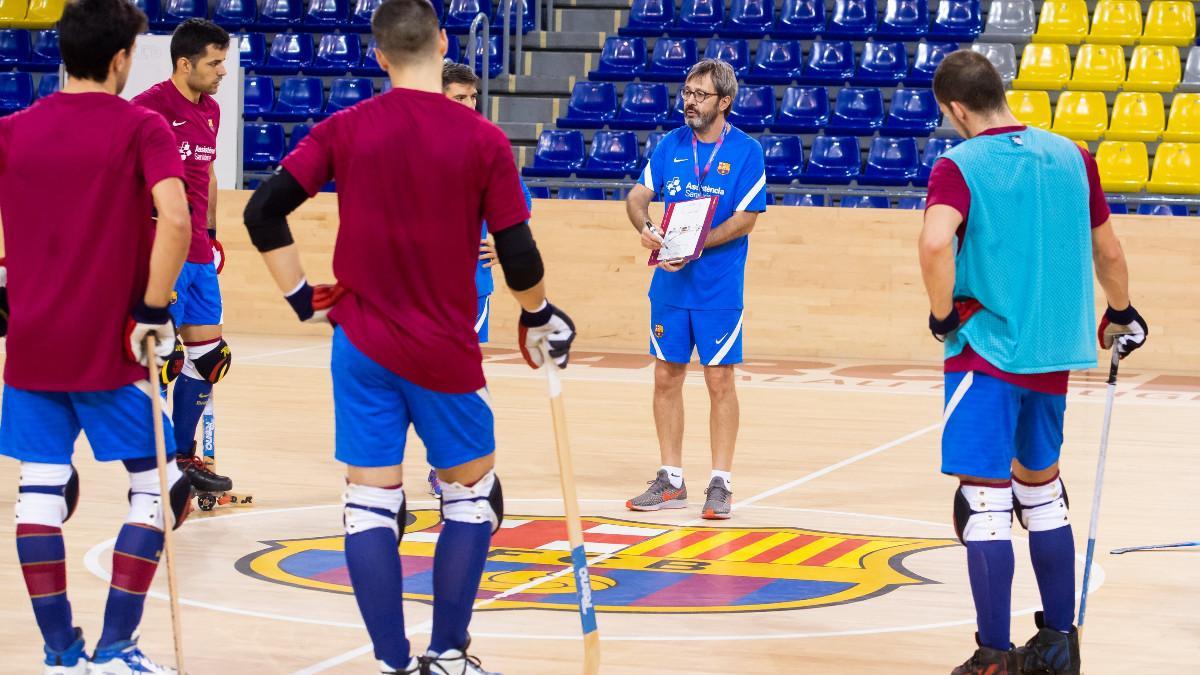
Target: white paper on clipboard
[[688, 220]]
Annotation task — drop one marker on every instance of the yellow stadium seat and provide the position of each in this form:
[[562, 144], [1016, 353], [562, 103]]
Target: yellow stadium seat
[[1153, 68], [12, 11], [42, 14], [1031, 108], [1099, 68], [1116, 22], [1183, 125], [1170, 22], [1124, 166], [1082, 115], [1137, 117], [1176, 169], [1062, 21], [1044, 67]]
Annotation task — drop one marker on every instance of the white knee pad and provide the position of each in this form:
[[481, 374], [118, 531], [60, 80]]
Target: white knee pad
[[483, 502], [371, 507], [1042, 507], [145, 502], [983, 512], [47, 494]]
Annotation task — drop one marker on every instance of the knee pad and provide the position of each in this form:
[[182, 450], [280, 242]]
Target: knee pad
[[483, 502], [1042, 507], [48, 494], [983, 512], [209, 361], [173, 366], [368, 507], [145, 506]]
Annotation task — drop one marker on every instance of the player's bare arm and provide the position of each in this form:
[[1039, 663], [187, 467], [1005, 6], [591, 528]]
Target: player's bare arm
[[739, 225], [1111, 270], [637, 206], [172, 238], [937, 257], [212, 200]]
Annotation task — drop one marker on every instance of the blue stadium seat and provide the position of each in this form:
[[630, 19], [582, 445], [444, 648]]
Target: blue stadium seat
[[833, 160], [44, 56], [805, 110], [858, 111], [777, 62], [439, 7], [734, 52], [16, 92], [346, 91], [622, 60], [453, 49], [698, 18], [891, 161], [495, 51], [152, 9], [934, 148], [326, 15], [749, 18], [883, 63], [929, 55], [803, 19], [360, 16], [252, 48], [957, 20], [644, 106], [852, 19], [290, 53], [369, 66], [614, 154], [911, 203], [539, 192], [559, 153], [48, 85], [235, 14], [498, 18], [592, 105], [792, 199], [337, 54], [1118, 208], [652, 141], [865, 202], [259, 95], [671, 60], [300, 99], [176, 12], [1162, 210], [784, 156], [15, 48], [263, 145], [914, 112], [462, 12], [279, 15], [299, 131], [753, 108], [830, 62], [676, 114], [649, 18], [904, 20], [588, 194]]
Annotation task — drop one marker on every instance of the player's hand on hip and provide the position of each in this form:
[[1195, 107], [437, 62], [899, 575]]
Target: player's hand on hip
[[550, 326], [959, 313], [487, 254], [218, 251], [651, 238], [3, 297], [672, 265], [1126, 327], [312, 303], [145, 320]]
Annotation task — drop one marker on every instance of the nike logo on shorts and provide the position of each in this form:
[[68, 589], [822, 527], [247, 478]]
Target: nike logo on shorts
[[722, 338]]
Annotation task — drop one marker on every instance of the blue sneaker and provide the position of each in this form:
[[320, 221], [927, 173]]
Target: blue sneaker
[[435, 485], [70, 661], [124, 658]]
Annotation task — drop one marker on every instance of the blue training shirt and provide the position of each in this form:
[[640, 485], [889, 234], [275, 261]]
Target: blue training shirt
[[483, 275], [738, 179]]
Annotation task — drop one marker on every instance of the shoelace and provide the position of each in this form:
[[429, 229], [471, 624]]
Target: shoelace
[[196, 464]]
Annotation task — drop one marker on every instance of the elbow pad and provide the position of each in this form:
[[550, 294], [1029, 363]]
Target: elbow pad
[[519, 257], [267, 211]]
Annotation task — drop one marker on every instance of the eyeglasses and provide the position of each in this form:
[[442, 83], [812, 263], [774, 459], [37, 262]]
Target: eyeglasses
[[698, 95]]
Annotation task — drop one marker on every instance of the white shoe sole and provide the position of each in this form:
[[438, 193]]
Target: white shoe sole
[[673, 504]]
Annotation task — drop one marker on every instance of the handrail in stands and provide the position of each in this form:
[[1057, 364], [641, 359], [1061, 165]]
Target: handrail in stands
[[482, 18]]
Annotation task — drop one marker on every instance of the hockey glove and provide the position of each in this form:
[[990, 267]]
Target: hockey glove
[[551, 325], [146, 320], [312, 303], [1126, 326]]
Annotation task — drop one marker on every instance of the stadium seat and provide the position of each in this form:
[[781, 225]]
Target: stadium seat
[[805, 110], [1191, 71], [290, 53], [299, 131], [259, 95], [347, 91], [621, 60], [359, 20], [957, 20], [904, 20], [852, 19], [48, 85], [1170, 22], [252, 50], [1137, 117], [592, 105], [649, 18], [1123, 165], [891, 161], [803, 19], [1031, 108], [453, 50], [582, 193], [734, 52], [235, 14], [753, 108], [151, 8], [1116, 22], [1162, 210], [676, 115], [777, 62], [539, 192], [15, 48], [914, 112], [369, 66], [1176, 169], [865, 202], [40, 14], [858, 111], [264, 145], [495, 50], [279, 15], [882, 63], [1183, 124], [911, 203], [461, 13], [652, 141], [326, 15], [1081, 115], [833, 160], [559, 153], [614, 154], [300, 99], [671, 60], [1044, 67], [749, 18], [44, 56], [176, 12], [1002, 55], [698, 18], [934, 148], [784, 157], [16, 92], [1118, 208], [793, 199], [644, 106], [1062, 22], [1153, 68], [527, 19], [337, 54], [830, 62], [929, 56], [1010, 21], [1098, 68]]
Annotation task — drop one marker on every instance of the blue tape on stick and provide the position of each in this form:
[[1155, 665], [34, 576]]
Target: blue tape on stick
[[583, 585]]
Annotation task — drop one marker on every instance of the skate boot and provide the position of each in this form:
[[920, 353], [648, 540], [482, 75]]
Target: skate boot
[[413, 668], [70, 661], [454, 662], [200, 476], [124, 658], [660, 495], [1050, 652], [987, 661]]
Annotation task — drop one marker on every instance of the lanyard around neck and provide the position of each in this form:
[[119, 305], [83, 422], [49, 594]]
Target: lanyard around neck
[[696, 159]]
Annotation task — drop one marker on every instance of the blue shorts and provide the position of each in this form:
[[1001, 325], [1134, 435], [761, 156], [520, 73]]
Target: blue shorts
[[197, 297], [716, 334], [373, 408], [482, 314], [996, 422], [42, 426]]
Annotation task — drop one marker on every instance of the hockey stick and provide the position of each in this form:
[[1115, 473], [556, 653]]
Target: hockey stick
[[566, 472], [207, 501], [1155, 547], [164, 490], [1100, 461]]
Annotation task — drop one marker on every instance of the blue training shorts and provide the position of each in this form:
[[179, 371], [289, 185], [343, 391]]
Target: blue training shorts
[[995, 422], [716, 334], [373, 408], [197, 297], [42, 426], [483, 312]]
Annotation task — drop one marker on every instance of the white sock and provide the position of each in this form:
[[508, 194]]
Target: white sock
[[675, 474], [726, 476]]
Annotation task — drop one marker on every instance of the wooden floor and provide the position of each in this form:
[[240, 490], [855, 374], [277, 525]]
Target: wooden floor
[[837, 466]]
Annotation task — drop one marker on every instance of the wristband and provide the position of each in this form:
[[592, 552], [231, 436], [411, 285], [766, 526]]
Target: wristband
[[144, 313], [1122, 317]]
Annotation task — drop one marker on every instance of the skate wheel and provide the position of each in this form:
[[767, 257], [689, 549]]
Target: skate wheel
[[206, 502]]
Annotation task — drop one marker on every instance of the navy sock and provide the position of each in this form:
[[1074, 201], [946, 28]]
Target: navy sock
[[990, 565], [373, 560], [135, 559], [1053, 555], [191, 395], [42, 553], [458, 563]]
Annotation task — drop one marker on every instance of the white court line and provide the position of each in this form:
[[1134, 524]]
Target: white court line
[[252, 357]]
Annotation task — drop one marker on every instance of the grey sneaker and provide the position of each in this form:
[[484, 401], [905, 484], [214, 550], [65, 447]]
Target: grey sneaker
[[660, 495], [719, 502]]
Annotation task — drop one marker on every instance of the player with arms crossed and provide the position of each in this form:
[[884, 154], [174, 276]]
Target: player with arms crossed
[[404, 349], [88, 278], [698, 305], [198, 51], [1016, 219]]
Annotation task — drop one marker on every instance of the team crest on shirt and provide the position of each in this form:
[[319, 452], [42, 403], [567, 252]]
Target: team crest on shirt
[[636, 567], [723, 168], [658, 330], [211, 125]]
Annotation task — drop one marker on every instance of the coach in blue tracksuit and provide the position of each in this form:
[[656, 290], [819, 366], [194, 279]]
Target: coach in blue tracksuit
[[697, 306]]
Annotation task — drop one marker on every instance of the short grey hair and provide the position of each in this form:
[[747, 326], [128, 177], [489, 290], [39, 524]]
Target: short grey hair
[[723, 77]]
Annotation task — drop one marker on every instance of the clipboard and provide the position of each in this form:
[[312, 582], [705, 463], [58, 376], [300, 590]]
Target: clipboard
[[705, 226]]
